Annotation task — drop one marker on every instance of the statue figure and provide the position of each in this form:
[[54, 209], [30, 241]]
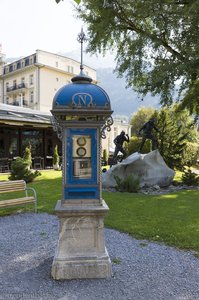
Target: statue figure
[[146, 131], [118, 141]]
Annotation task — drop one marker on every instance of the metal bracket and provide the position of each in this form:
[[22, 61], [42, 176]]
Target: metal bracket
[[106, 126], [57, 128]]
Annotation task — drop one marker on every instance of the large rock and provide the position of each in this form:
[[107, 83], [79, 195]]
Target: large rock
[[150, 168]]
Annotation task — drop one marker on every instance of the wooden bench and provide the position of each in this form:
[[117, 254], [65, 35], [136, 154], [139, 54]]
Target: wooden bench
[[15, 186]]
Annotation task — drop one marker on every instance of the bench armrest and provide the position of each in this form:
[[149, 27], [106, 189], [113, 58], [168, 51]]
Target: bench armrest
[[35, 195]]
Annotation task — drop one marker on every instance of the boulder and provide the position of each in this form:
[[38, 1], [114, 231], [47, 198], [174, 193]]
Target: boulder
[[150, 168]]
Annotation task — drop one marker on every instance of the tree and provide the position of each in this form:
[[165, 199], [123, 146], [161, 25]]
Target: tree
[[176, 130], [77, 1], [140, 117], [156, 44]]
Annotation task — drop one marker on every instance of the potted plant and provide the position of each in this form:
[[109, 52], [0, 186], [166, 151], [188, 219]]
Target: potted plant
[[55, 159]]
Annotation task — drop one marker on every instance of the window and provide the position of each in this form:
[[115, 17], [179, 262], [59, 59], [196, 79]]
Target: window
[[56, 64], [72, 70], [22, 64], [31, 79], [33, 138], [57, 79], [14, 83], [22, 80], [82, 167], [27, 62], [18, 65], [31, 97], [15, 102]]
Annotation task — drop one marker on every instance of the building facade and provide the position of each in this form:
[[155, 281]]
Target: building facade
[[118, 126], [32, 81], [27, 89]]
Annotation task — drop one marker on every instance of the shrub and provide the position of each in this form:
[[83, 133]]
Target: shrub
[[190, 178], [105, 157], [130, 184], [55, 156], [27, 156], [20, 169]]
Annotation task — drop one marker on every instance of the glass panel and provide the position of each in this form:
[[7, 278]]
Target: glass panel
[[82, 167], [32, 138], [8, 142]]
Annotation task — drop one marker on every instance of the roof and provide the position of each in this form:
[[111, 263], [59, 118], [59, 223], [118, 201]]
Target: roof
[[10, 114]]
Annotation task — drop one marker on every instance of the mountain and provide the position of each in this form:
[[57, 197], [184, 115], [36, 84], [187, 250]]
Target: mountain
[[123, 101]]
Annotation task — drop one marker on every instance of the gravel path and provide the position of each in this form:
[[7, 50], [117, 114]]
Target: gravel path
[[141, 270]]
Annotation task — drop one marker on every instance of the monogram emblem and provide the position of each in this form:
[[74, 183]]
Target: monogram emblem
[[82, 100]]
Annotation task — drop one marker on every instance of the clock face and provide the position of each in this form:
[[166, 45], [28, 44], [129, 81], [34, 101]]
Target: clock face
[[81, 151], [81, 141]]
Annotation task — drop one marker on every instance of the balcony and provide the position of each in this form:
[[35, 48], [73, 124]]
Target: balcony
[[18, 103], [15, 87]]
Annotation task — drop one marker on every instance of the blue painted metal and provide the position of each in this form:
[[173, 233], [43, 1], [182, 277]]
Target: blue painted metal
[[75, 190], [65, 95], [81, 193]]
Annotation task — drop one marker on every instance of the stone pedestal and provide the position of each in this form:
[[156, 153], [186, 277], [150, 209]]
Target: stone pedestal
[[81, 251]]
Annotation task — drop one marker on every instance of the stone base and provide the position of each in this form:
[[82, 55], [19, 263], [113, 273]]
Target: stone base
[[81, 251], [80, 268]]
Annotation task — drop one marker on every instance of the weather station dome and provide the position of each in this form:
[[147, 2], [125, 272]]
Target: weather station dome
[[81, 97], [81, 94], [81, 101]]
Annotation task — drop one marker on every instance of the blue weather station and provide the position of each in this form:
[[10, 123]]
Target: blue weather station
[[81, 114]]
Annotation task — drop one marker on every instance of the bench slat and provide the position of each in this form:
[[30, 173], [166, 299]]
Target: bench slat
[[12, 186], [12, 202]]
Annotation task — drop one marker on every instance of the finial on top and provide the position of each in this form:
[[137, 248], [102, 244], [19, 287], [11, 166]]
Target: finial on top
[[81, 38], [81, 77]]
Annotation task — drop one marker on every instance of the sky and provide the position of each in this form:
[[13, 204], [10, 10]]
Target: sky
[[28, 25]]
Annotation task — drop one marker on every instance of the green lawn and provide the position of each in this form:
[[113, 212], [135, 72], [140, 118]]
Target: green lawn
[[172, 219]]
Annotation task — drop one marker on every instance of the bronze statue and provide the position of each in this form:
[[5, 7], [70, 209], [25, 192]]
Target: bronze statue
[[146, 131], [118, 141]]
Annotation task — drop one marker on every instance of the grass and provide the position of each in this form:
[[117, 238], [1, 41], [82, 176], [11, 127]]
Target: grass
[[48, 188], [172, 219]]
